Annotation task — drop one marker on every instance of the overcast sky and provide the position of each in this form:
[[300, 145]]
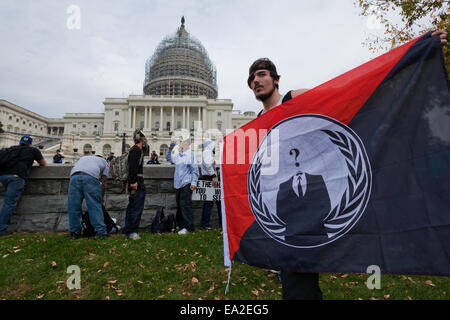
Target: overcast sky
[[51, 69]]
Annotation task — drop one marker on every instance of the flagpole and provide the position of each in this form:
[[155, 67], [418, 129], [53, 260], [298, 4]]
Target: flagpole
[[226, 249]]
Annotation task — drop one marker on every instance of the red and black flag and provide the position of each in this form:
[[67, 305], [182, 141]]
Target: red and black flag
[[352, 173]]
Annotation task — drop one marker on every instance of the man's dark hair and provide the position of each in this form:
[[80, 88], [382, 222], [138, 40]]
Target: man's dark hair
[[262, 63]]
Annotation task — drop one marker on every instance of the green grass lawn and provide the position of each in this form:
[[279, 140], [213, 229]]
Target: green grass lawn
[[168, 266]]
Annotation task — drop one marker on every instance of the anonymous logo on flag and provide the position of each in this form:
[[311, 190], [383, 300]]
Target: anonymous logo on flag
[[351, 173], [316, 188]]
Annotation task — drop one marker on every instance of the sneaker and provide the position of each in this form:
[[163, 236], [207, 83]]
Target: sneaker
[[274, 271], [74, 236], [183, 231], [134, 236]]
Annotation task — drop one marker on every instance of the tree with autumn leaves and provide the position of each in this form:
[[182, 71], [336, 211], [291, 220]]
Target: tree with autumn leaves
[[417, 17]]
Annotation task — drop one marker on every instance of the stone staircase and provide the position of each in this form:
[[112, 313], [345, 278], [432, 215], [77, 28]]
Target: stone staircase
[[46, 143]]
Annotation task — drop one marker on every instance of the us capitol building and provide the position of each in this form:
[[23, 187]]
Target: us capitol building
[[180, 89]]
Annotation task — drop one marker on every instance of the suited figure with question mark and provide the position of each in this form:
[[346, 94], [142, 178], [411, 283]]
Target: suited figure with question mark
[[303, 203]]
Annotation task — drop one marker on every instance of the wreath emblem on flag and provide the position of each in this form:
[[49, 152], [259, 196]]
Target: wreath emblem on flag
[[337, 187]]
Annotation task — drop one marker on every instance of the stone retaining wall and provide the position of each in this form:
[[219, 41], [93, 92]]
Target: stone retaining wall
[[43, 205]]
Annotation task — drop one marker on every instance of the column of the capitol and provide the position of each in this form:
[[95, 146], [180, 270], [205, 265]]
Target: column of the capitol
[[161, 120]]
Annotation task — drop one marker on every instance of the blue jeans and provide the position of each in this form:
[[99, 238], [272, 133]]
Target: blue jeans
[[89, 188], [134, 212], [14, 188]]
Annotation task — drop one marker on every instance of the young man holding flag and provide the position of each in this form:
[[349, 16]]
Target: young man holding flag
[[263, 81]]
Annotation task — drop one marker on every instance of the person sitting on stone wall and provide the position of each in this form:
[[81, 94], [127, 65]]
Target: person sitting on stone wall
[[57, 158], [111, 157], [153, 158]]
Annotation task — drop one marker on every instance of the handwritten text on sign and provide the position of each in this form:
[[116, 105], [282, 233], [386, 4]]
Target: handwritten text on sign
[[206, 192]]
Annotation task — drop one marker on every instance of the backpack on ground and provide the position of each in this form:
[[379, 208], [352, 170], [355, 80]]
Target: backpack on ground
[[162, 223], [9, 157], [88, 229]]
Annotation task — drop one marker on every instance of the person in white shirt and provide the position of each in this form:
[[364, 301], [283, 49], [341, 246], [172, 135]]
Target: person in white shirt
[[185, 181], [208, 169]]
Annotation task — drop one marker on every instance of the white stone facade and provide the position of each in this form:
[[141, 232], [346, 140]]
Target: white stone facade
[[159, 117], [18, 121]]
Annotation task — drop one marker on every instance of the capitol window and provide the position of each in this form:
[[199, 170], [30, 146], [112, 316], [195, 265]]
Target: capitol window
[[117, 113]]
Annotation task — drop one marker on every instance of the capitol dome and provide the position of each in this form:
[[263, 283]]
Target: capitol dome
[[180, 66]]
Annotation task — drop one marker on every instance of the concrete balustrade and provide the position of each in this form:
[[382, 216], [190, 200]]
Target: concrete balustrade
[[43, 205]]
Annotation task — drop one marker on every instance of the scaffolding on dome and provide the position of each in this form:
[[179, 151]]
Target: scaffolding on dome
[[180, 66]]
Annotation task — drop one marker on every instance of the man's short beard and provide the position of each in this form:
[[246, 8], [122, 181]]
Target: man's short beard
[[266, 96]]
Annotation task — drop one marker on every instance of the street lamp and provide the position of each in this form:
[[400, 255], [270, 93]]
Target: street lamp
[[123, 142]]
